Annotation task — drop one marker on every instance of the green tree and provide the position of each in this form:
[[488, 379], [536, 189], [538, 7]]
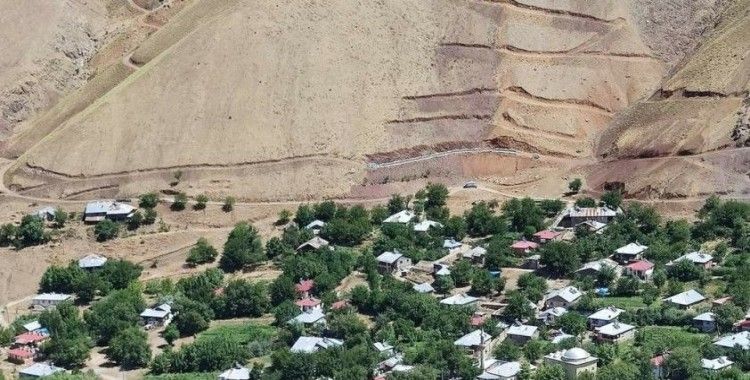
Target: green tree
[[684, 270], [106, 230], [549, 372], [378, 214], [618, 370], [179, 202], [532, 286], [727, 315], [203, 252], [521, 213], [462, 273], [275, 247], [560, 258], [575, 185], [507, 350], [455, 227], [228, 205], [304, 215], [586, 202], [135, 221], [481, 220], [200, 202], [482, 283], [437, 194], [683, 363], [518, 307], [120, 274], [61, 217], [284, 217], [116, 312], [572, 323], [551, 207], [149, 217], [444, 284], [190, 323], [245, 299], [148, 200], [129, 348], [612, 199], [30, 232], [243, 247], [170, 334]]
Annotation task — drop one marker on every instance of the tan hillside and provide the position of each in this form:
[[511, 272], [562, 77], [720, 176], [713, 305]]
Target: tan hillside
[[342, 98]]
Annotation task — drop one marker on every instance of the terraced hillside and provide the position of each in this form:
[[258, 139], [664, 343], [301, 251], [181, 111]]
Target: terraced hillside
[[359, 98]]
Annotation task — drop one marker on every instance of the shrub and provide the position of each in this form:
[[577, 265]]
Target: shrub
[[228, 205], [179, 203], [203, 252], [200, 202], [149, 217], [148, 200], [106, 230], [575, 185]]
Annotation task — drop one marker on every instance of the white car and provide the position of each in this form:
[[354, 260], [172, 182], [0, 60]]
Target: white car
[[470, 185]]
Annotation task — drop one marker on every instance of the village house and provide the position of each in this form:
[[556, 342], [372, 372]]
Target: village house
[[307, 305], [640, 269], [26, 346], [313, 244], [615, 332], [523, 247], [686, 299], [714, 365], [574, 362], [475, 255], [315, 226], [477, 343], [97, 211], [304, 287], [557, 336], [160, 315], [532, 262], [593, 268], [550, 316], [402, 217], [699, 259], [393, 263], [312, 317], [424, 288], [452, 245], [629, 253], [461, 300], [237, 372], [310, 344], [564, 297], [425, 225], [92, 262], [47, 300], [384, 349], [740, 339], [32, 326], [592, 226], [39, 370], [545, 236], [577, 215], [441, 269], [705, 322], [500, 370], [520, 333], [604, 316]]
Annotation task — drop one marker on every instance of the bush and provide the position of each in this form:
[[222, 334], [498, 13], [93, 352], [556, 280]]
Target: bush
[[149, 217], [284, 217], [612, 199], [30, 232], [586, 202], [200, 202], [203, 252], [106, 230], [243, 247], [228, 205], [148, 200], [61, 217], [179, 203], [135, 221], [575, 185]]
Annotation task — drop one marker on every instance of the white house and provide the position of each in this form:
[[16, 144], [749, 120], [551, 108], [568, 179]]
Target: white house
[[550, 315], [615, 332], [315, 226], [46, 300], [424, 287], [313, 244], [32, 326], [393, 262], [593, 268], [425, 225], [310, 344], [158, 316], [604, 316], [521, 334], [238, 372], [564, 297], [699, 259], [92, 261], [38, 370], [717, 364], [705, 322], [460, 300], [384, 348], [476, 343], [740, 339], [403, 217], [630, 252], [311, 318], [500, 370], [686, 299], [452, 245], [97, 211], [475, 254]]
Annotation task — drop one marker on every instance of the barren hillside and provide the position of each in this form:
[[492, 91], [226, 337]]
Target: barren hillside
[[359, 98]]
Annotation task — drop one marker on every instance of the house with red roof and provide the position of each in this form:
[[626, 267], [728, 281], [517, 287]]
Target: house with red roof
[[545, 236], [524, 246], [641, 269], [32, 338], [22, 355], [304, 287], [309, 304]]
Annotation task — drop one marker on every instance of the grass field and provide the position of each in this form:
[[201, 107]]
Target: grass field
[[627, 303], [243, 332], [657, 338]]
